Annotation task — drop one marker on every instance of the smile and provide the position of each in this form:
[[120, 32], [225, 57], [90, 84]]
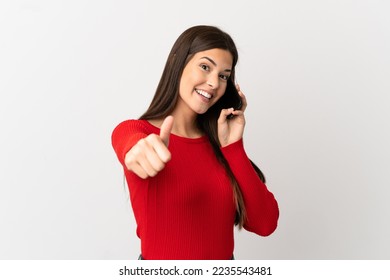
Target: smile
[[203, 93]]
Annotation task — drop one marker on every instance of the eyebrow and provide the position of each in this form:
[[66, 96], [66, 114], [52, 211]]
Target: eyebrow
[[215, 64]]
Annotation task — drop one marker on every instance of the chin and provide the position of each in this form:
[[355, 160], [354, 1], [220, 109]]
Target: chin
[[202, 111]]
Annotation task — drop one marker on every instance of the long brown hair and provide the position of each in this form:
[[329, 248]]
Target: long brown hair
[[193, 40]]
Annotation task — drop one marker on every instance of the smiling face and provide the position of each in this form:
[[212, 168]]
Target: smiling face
[[204, 80]]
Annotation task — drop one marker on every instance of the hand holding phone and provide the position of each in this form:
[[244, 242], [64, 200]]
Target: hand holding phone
[[231, 121], [234, 97]]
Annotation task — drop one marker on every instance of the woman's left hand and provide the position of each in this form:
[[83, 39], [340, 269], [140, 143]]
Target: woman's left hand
[[231, 130]]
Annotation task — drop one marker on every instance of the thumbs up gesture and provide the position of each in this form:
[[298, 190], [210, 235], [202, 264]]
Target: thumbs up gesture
[[150, 154], [165, 130]]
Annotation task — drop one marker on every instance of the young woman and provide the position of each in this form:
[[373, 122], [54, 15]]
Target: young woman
[[189, 177]]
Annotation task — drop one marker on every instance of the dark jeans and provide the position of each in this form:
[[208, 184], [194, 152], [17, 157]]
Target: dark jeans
[[142, 258]]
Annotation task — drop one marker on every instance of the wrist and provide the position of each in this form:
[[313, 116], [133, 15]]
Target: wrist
[[231, 142]]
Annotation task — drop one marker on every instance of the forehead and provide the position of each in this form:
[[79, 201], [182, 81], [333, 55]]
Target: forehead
[[222, 58]]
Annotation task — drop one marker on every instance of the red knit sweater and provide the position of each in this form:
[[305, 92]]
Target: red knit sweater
[[187, 210]]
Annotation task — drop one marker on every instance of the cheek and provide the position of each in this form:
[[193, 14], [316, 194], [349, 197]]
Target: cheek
[[188, 80], [221, 90], [185, 82], [220, 93]]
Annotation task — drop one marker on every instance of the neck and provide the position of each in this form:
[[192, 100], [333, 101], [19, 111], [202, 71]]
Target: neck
[[185, 125]]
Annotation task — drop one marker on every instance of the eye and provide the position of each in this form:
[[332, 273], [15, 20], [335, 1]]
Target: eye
[[205, 67], [224, 77]]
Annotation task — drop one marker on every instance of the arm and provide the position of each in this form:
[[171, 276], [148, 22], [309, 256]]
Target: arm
[[125, 136], [261, 206]]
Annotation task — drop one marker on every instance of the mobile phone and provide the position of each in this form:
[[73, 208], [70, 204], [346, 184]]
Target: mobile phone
[[233, 99]]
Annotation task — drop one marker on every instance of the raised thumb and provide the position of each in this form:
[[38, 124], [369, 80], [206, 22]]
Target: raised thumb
[[165, 130]]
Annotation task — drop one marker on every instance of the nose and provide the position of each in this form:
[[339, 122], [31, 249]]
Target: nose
[[213, 81]]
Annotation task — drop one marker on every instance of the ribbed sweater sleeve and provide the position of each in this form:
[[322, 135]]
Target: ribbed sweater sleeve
[[125, 136], [261, 206]]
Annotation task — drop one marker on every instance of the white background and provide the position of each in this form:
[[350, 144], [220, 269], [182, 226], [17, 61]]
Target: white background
[[316, 76]]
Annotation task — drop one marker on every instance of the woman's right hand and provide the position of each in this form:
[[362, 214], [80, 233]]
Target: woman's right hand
[[150, 154]]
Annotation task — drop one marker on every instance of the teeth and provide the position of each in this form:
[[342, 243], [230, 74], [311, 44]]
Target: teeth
[[203, 93]]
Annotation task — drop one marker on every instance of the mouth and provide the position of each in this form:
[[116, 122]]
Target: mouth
[[205, 94]]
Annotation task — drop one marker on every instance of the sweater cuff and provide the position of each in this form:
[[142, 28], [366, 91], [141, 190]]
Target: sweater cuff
[[234, 149], [236, 156]]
